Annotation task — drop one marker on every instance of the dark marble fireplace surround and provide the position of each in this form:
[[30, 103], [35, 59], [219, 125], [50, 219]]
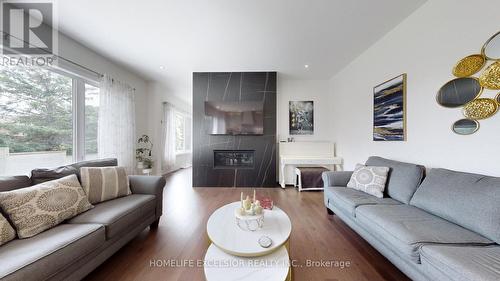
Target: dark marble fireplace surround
[[234, 160]]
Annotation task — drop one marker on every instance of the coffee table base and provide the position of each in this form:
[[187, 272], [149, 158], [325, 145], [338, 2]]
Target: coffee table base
[[220, 266]]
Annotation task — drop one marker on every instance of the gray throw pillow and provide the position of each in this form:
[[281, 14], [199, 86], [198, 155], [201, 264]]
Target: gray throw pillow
[[369, 179], [104, 183]]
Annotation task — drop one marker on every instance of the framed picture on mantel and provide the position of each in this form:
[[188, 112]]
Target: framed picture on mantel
[[301, 117], [389, 110]]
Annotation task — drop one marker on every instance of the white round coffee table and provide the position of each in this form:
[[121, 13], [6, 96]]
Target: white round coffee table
[[220, 266], [225, 234]]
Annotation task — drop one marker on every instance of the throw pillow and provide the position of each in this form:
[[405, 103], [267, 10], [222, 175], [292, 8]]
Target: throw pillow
[[7, 233], [104, 183], [369, 179], [40, 207]]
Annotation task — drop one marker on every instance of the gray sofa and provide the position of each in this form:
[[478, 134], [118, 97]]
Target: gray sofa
[[445, 226], [73, 249]]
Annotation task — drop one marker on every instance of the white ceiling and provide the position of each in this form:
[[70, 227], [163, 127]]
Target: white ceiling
[[230, 35]]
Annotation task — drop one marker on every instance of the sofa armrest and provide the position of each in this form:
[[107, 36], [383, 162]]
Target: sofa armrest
[[152, 185], [336, 178]]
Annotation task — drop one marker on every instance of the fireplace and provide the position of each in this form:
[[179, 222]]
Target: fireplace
[[234, 159]]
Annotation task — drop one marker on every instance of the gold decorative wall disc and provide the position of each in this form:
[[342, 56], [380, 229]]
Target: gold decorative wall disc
[[469, 65], [497, 98], [490, 78], [481, 108]]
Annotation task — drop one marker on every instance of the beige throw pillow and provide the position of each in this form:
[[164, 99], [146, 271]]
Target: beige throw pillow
[[7, 233], [104, 183], [369, 179], [40, 207]]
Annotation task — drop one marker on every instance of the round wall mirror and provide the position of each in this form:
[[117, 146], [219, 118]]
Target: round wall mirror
[[491, 49], [465, 126], [458, 92]]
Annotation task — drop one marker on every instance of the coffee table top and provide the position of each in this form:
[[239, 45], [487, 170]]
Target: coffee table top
[[220, 266], [225, 234]]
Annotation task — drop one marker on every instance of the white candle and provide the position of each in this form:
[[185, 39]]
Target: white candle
[[254, 195], [241, 199]]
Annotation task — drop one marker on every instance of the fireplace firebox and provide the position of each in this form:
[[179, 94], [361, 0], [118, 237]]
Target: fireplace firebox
[[234, 159]]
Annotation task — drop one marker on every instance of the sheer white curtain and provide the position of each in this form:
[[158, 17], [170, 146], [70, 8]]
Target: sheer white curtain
[[116, 129], [168, 138]]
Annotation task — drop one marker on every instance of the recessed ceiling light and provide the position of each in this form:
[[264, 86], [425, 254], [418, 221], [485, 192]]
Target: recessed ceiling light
[[306, 66], [162, 67]]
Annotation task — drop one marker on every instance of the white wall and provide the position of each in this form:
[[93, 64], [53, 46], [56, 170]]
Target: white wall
[[304, 90], [426, 46], [74, 51], [157, 94]]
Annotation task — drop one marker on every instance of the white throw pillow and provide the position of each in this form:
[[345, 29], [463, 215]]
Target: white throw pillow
[[369, 179]]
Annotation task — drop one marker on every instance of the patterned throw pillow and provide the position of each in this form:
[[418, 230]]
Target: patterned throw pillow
[[104, 183], [40, 207], [369, 179], [7, 233]]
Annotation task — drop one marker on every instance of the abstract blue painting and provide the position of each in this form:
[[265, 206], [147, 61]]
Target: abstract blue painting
[[389, 110]]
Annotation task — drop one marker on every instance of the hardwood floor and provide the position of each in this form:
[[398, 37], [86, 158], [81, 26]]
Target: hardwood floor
[[181, 235]]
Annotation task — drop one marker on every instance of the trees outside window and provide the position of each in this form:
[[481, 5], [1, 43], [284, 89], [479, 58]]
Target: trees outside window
[[39, 126]]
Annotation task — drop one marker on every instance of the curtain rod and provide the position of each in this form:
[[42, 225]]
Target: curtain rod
[[6, 35], [177, 108]]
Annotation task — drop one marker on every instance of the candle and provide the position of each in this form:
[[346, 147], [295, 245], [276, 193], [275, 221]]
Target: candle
[[241, 199], [254, 195]]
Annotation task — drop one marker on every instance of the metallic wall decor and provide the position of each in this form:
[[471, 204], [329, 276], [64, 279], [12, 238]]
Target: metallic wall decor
[[481, 108], [458, 92], [465, 91], [465, 126], [490, 78], [491, 49], [469, 65]]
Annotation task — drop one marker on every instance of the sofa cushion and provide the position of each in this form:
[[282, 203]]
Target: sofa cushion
[[347, 199], [40, 207], [107, 162], [470, 200], [43, 175], [120, 214], [48, 174], [14, 182], [7, 233], [461, 263], [405, 229], [403, 180], [41, 256]]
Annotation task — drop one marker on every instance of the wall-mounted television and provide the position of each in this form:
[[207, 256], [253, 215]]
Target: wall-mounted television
[[235, 118]]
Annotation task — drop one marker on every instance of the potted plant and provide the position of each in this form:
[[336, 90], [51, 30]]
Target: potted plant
[[143, 153]]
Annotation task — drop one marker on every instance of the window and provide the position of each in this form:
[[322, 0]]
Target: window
[[182, 133], [39, 121]]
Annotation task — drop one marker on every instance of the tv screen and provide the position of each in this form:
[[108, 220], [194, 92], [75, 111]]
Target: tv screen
[[235, 118]]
